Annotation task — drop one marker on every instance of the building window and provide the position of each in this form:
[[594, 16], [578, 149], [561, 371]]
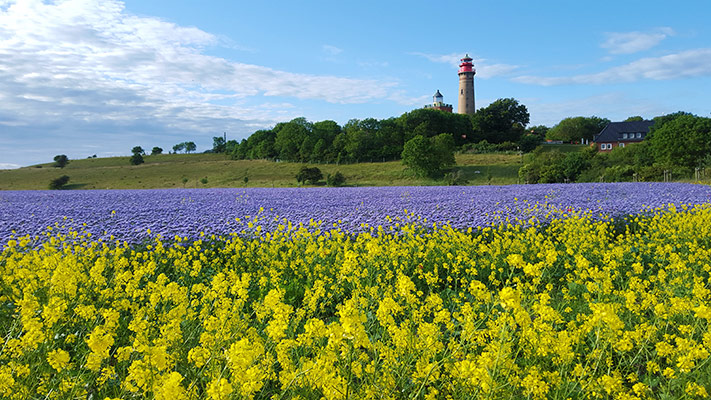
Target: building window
[[606, 146], [622, 145], [624, 136], [639, 135]]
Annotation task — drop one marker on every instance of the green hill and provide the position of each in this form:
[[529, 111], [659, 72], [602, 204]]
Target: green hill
[[190, 170]]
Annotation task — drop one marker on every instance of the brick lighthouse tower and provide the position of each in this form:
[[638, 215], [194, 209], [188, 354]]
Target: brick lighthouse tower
[[466, 86]]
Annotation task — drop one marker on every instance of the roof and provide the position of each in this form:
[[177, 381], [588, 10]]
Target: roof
[[614, 130], [438, 94]]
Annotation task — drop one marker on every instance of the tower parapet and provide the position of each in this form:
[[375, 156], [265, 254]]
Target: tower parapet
[[466, 86]]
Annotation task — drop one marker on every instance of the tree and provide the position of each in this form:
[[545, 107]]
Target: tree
[[635, 118], [428, 157], [219, 144], [58, 183], [529, 142], [429, 122], [309, 175], [61, 161], [538, 130], [230, 145], [684, 141], [156, 151], [190, 147], [575, 129], [136, 159], [290, 138], [501, 121], [178, 147], [138, 150]]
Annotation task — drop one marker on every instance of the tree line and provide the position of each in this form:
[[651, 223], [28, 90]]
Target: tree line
[[677, 144], [372, 140]]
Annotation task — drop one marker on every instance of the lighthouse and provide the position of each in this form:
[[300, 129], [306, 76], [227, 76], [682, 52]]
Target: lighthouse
[[466, 86], [438, 103]]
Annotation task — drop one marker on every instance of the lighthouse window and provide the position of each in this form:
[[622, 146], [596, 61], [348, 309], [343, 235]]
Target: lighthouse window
[[461, 91]]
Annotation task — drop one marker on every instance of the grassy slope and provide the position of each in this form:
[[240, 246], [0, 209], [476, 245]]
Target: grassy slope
[[168, 171]]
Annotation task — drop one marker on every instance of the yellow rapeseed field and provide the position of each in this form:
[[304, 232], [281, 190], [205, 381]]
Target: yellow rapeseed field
[[575, 308]]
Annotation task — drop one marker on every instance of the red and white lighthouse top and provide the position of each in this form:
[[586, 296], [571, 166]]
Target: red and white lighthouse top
[[466, 65]]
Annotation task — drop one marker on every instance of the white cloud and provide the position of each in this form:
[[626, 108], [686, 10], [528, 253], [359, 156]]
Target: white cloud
[[686, 64], [484, 70], [9, 165], [89, 66], [633, 42], [91, 53], [332, 50], [452, 59]]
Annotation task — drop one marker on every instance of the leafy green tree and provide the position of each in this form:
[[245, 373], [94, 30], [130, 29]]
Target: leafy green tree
[[429, 157], [318, 154], [138, 150], [684, 141], [290, 138], [230, 146], [61, 161], [219, 144], [574, 164], [575, 129], [179, 147], [58, 183], [136, 159], [538, 130], [416, 156], [190, 147], [663, 119], [501, 121], [156, 150], [529, 142], [635, 118], [443, 150], [309, 175], [429, 122]]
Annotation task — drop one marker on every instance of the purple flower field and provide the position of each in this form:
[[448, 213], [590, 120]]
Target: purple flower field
[[128, 214]]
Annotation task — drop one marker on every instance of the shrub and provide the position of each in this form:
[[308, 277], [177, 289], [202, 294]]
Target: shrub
[[309, 175], [336, 179], [455, 178], [58, 183], [428, 157]]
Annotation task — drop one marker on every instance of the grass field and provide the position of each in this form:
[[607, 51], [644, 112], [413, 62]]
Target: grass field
[[189, 171]]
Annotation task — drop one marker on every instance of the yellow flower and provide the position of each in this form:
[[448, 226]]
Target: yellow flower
[[58, 359], [170, 388], [219, 389], [510, 298]]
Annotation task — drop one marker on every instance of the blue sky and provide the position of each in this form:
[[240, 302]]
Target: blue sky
[[84, 77]]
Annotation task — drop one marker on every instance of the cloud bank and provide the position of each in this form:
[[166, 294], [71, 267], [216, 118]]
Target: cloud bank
[[633, 42], [685, 64], [88, 65]]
